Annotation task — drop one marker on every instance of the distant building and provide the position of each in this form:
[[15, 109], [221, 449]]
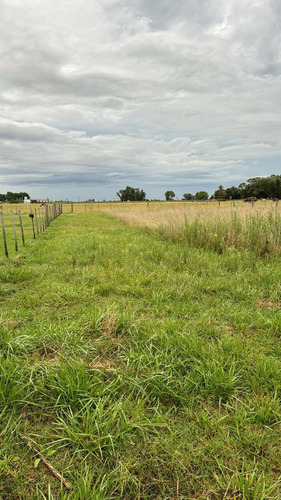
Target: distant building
[[35, 200]]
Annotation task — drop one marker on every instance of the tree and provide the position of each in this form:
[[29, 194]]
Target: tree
[[131, 194], [188, 196], [201, 195], [169, 195], [220, 193], [15, 197]]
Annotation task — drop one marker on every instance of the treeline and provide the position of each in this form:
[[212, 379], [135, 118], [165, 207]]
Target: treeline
[[258, 187], [13, 197]]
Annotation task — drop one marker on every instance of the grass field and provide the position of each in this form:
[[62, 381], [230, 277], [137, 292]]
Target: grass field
[[142, 367]]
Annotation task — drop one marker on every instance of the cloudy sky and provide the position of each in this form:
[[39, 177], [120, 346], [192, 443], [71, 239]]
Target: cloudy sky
[[157, 94]]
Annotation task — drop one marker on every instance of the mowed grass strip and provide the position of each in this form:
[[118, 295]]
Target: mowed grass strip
[[141, 368]]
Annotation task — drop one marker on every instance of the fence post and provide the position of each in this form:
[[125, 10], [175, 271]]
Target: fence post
[[21, 228], [43, 219], [14, 231], [31, 215], [4, 235], [40, 222], [36, 220], [46, 216]]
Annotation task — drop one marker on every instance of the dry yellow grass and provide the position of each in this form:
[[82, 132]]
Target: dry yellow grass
[[230, 224], [155, 214]]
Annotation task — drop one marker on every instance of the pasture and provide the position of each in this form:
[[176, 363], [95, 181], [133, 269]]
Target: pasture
[[142, 356]]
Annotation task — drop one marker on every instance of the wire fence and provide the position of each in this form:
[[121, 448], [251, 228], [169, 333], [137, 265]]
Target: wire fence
[[18, 227]]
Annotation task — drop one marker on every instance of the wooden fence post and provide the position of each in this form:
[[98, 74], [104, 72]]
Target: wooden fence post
[[4, 235], [36, 221], [43, 219], [31, 215], [14, 231], [40, 222], [21, 228], [46, 216]]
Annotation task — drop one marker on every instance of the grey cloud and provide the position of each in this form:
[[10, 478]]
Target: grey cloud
[[166, 13], [27, 131], [108, 92]]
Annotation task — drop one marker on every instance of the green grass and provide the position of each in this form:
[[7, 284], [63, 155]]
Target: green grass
[[258, 233], [143, 368]]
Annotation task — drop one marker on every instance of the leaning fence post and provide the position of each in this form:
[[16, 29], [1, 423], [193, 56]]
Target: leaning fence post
[[4, 235], [21, 228], [14, 231]]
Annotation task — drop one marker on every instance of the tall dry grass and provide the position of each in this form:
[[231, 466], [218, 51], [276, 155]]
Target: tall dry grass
[[217, 226]]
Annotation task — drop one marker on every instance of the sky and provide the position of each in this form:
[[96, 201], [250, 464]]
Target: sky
[[179, 95]]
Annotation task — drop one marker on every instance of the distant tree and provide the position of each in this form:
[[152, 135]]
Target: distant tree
[[169, 195], [10, 196], [188, 196], [261, 187], [131, 194], [242, 189], [201, 195], [232, 193], [2, 197], [15, 197], [220, 193], [23, 195]]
